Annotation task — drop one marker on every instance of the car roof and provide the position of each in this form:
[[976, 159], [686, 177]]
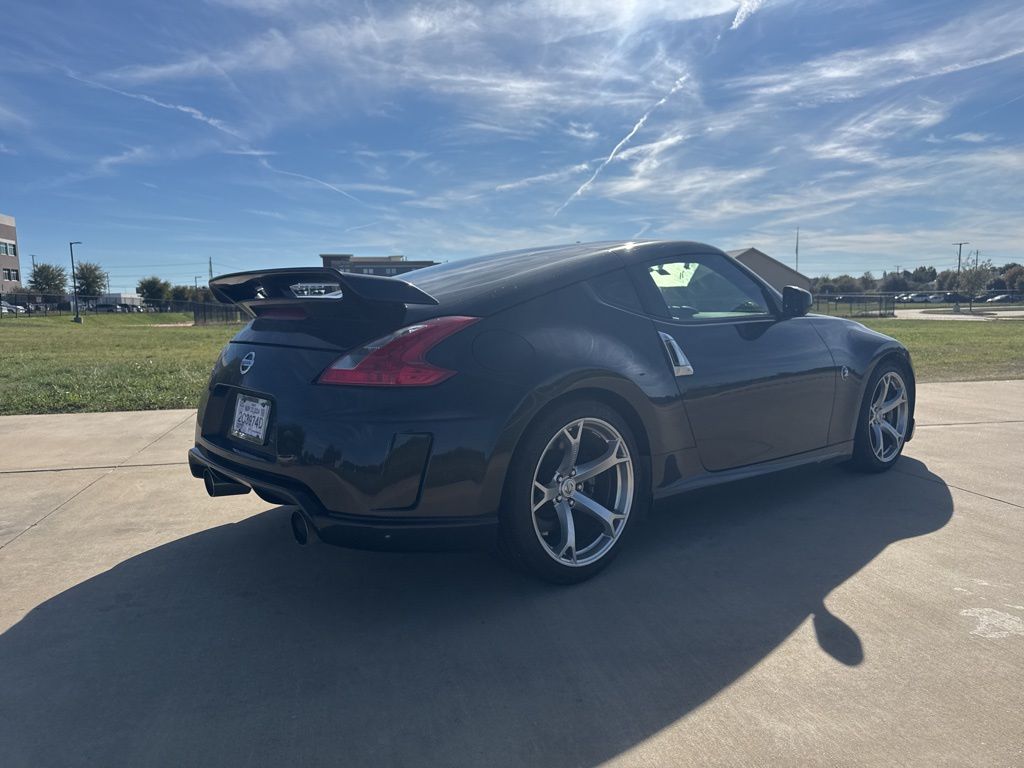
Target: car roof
[[482, 285]]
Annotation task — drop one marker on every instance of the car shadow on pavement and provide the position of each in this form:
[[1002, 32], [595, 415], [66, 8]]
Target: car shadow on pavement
[[234, 646]]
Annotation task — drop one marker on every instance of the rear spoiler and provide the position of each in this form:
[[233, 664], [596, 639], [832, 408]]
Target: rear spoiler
[[301, 285]]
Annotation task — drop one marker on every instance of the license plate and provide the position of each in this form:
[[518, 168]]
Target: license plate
[[251, 417]]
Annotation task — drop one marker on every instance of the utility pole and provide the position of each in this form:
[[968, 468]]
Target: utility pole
[[798, 249], [107, 276], [211, 267], [74, 280], [959, 252]]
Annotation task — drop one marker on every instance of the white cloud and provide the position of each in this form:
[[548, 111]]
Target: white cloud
[[11, 119], [384, 189], [582, 131], [973, 41], [514, 60], [973, 137], [865, 137], [109, 163]]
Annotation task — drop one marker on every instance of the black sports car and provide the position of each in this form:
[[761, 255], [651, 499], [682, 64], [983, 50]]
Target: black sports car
[[539, 398]]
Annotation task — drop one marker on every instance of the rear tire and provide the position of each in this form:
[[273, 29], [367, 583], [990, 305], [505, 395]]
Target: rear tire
[[883, 419], [571, 493]]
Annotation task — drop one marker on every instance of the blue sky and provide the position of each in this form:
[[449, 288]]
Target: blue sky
[[263, 132]]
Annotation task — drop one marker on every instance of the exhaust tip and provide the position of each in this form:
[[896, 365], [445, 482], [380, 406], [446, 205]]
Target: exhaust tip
[[300, 528], [208, 482], [218, 485]]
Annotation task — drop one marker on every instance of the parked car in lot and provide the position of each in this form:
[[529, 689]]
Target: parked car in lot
[[936, 298], [11, 309], [539, 398], [954, 298], [1004, 298], [107, 308]]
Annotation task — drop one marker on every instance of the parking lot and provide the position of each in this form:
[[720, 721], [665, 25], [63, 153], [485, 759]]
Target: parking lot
[[814, 617]]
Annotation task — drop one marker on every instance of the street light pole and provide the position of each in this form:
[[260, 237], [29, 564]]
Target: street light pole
[[959, 252], [74, 280]]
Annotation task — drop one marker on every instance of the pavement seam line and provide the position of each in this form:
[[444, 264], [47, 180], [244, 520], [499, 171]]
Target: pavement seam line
[[957, 487], [969, 423], [155, 440], [87, 469], [55, 509], [96, 480]]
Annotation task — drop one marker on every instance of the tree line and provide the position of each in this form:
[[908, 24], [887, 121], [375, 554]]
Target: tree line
[[91, 279], [973, 279]]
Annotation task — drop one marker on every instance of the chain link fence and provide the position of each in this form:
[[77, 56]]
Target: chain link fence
[[856, 305], [23, 305]]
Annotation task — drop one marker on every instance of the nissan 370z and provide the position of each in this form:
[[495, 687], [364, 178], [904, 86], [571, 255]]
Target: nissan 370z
[[538, 399]]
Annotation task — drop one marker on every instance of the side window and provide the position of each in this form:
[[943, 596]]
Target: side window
[[707, 287], [617, 289]]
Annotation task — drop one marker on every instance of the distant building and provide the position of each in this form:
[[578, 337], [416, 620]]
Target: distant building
[[10, 264], [773, 272], [384, 266]]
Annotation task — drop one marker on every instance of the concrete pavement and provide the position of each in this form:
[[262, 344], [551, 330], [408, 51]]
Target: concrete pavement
[[932, 314], [815, 617]]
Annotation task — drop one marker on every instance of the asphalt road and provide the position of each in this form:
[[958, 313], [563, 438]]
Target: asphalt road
[[817, 617]]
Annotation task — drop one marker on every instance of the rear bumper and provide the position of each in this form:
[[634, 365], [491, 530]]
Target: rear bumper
[[352, 530]]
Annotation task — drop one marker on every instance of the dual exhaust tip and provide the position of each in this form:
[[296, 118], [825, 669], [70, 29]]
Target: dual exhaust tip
[[219, 485]]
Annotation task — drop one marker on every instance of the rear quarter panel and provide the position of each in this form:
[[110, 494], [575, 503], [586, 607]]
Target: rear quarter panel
[[569, 342]]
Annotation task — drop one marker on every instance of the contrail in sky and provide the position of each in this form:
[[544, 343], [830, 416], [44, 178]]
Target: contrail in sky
[[313, 179], [192, 112], [745, 11], [639, 124]]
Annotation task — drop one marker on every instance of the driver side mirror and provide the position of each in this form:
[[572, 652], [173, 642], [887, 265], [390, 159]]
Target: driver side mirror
[[796, 302]]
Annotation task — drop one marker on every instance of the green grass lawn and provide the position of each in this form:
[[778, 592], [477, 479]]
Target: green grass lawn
[[128, 362], [950, 350], [109, 363]]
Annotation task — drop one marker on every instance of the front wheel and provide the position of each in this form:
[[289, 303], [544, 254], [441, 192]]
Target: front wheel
[[883, 420], [571, 492]]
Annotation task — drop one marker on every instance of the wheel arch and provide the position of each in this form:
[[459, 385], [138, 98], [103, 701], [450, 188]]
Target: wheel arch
[[894, 352], [898, 354], [521, 422]]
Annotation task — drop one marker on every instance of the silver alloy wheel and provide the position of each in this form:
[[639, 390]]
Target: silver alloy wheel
[[585, 468], [888, 415]]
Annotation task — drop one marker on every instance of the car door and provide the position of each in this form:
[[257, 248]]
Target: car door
[[756, 386]]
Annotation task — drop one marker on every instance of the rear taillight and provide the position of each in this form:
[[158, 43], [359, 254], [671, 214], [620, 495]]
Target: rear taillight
[[398, 359]]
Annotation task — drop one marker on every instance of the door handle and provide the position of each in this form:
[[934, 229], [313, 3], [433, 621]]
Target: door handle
[[680, 364]]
